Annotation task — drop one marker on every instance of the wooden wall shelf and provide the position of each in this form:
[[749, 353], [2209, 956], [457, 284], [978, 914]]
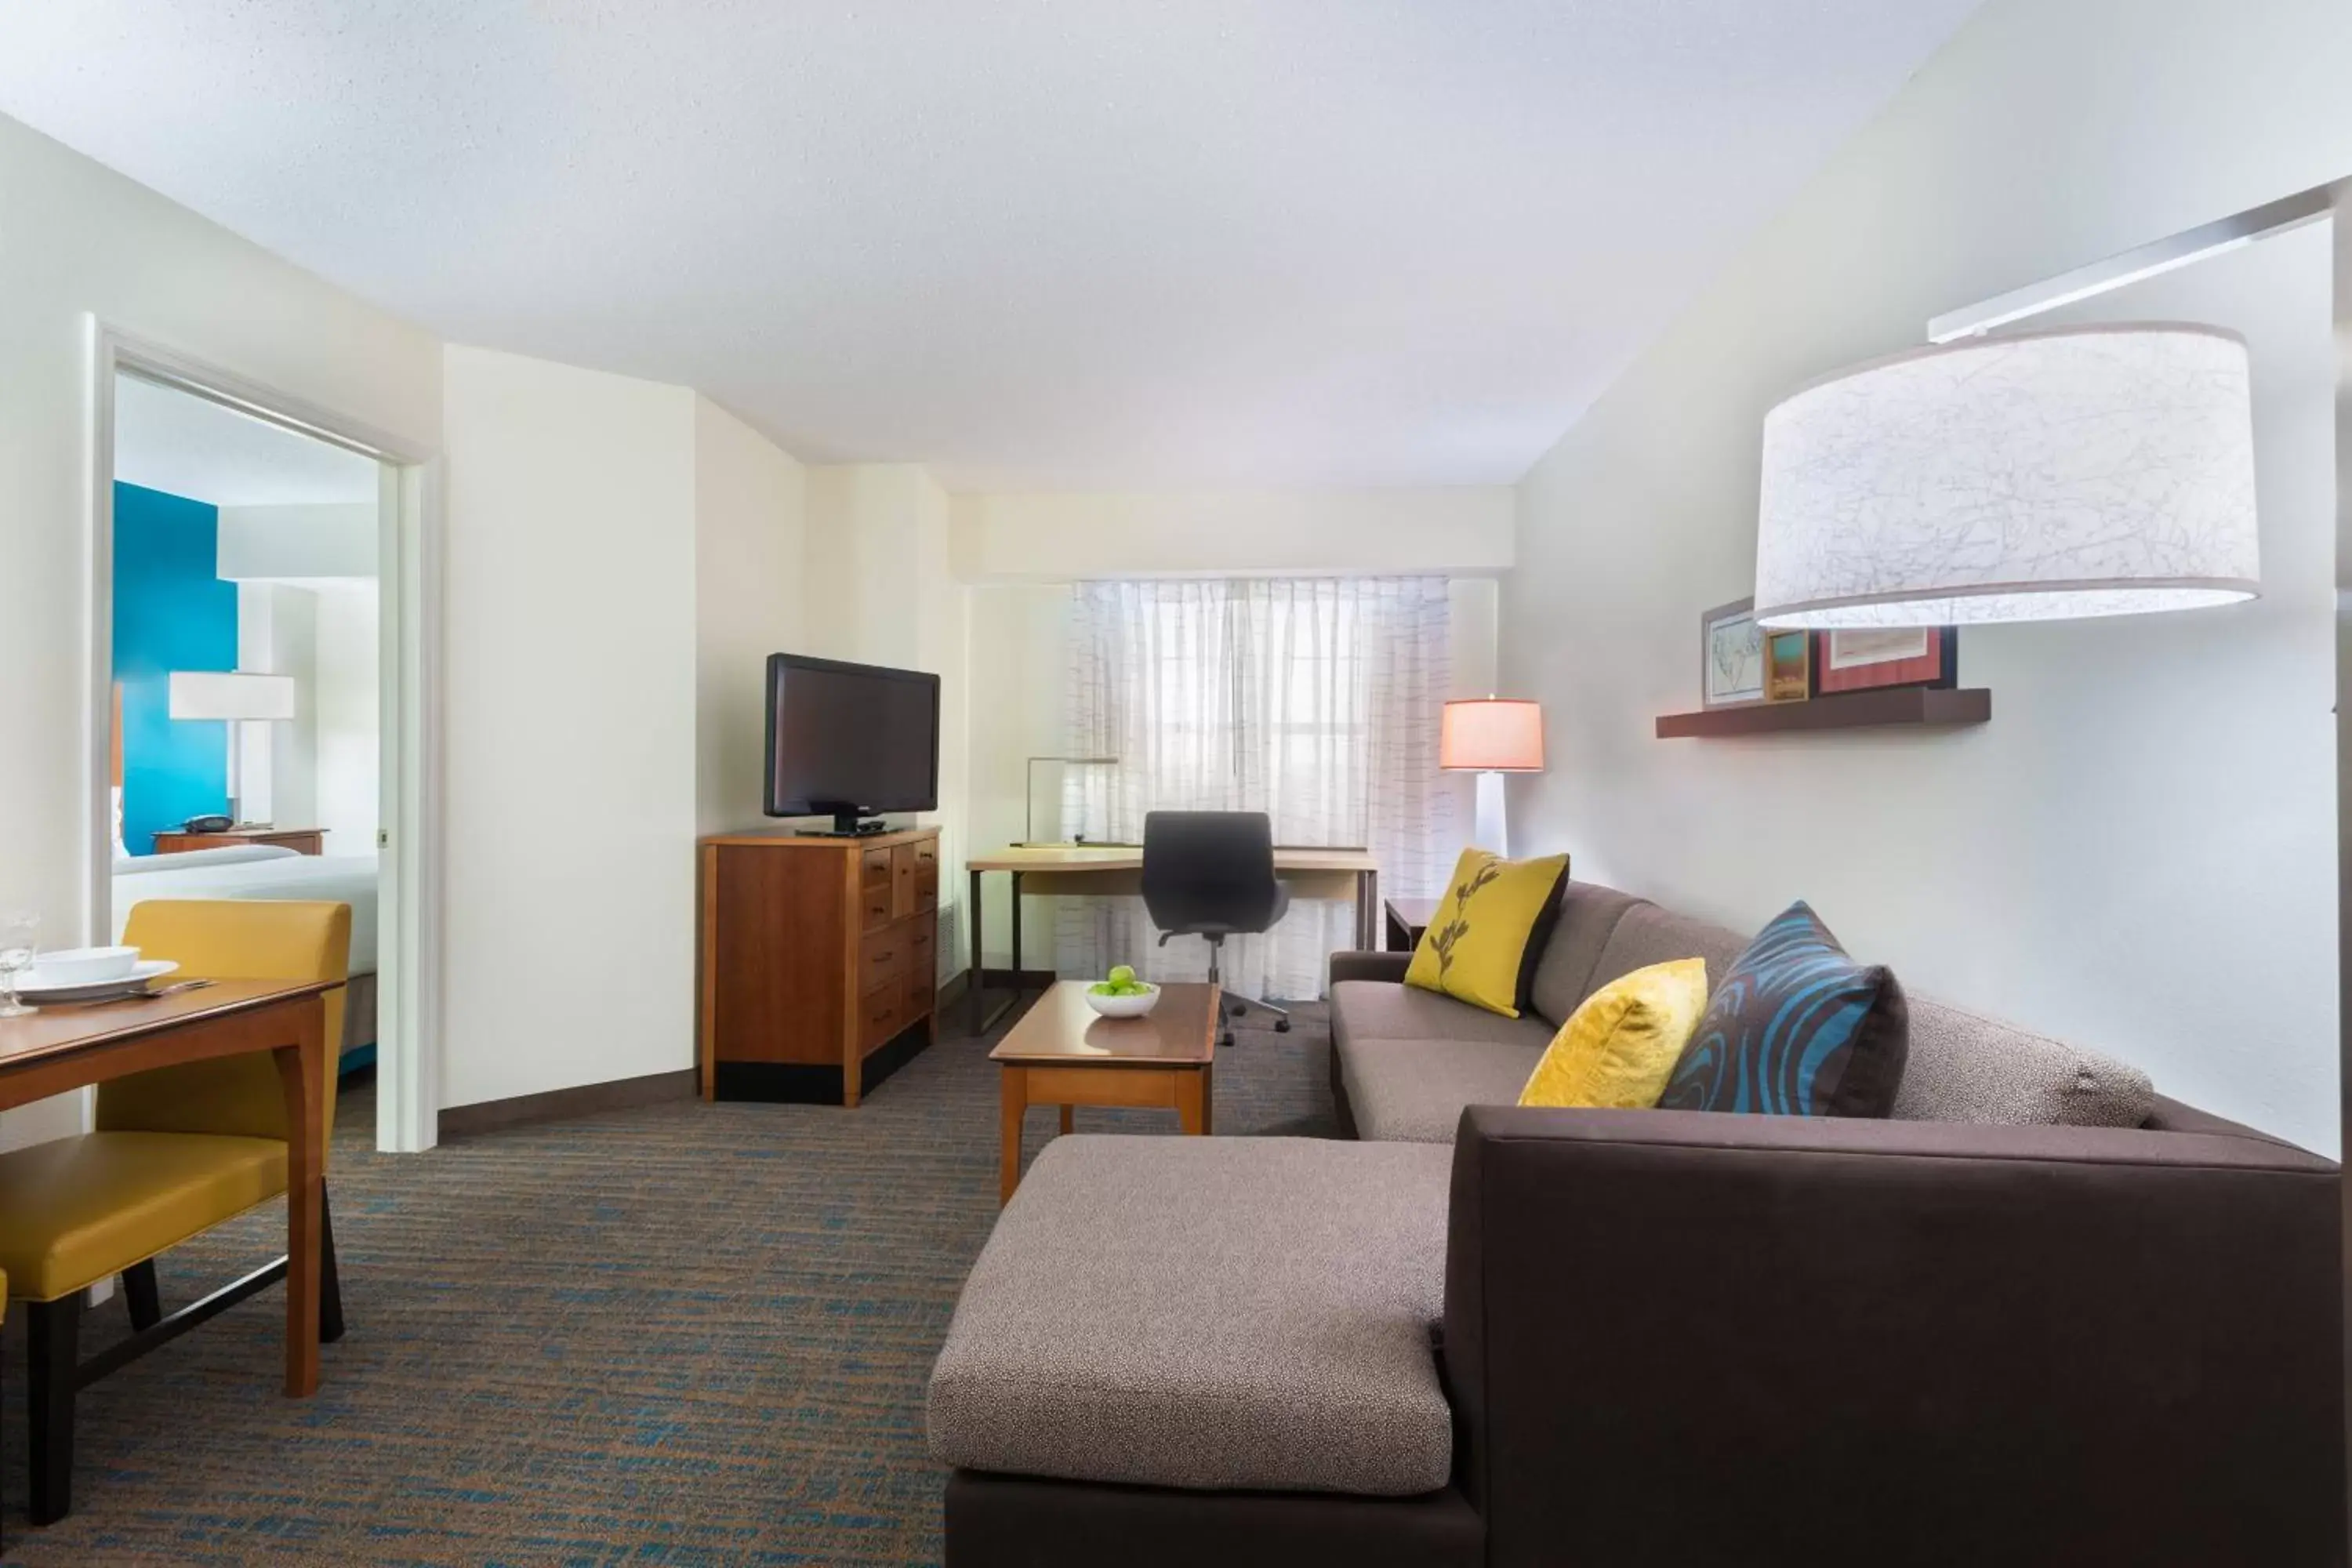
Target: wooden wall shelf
[[1844, 711]]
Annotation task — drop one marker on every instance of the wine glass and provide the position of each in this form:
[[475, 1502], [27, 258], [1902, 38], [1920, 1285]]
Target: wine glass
[[17, 932]]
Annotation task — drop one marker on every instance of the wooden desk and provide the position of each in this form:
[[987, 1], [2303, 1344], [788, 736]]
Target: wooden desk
[[302, 840], [67, 1047], [1116, 869]]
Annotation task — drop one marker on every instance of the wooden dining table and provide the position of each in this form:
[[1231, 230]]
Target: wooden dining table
[[71, 1046]]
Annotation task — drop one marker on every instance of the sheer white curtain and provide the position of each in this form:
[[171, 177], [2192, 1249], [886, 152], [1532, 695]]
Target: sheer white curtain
[[1315, 701]]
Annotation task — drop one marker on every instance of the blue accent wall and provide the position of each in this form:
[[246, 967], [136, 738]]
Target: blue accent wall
[[171, 611]]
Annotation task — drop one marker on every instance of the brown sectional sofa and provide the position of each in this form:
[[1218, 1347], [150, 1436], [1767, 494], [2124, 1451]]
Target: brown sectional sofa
[[2041, 1316]]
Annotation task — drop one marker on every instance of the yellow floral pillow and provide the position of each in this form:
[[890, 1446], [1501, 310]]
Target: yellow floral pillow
[[1619, 1048], [1478, 947]]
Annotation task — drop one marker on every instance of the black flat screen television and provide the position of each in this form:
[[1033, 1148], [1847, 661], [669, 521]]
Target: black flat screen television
[[847, 740]]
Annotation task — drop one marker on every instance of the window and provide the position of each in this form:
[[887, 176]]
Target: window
[[1315, 701]]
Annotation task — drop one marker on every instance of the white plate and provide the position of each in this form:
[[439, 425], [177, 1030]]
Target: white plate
[[30, 988]]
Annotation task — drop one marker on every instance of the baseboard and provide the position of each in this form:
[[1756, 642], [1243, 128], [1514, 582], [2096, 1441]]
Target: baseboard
[[802, 1083], [563, 1104]]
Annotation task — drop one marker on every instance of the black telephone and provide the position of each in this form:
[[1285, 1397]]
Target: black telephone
[[207, 825]]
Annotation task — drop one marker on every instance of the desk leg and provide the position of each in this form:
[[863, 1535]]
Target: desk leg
[[1015, 1092], [302, 1074], [974, 1001], [1016, 939]]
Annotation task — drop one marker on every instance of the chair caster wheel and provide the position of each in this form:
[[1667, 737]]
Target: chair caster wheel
[[1282, 1026], [1225, 1039], [1237, 1008]]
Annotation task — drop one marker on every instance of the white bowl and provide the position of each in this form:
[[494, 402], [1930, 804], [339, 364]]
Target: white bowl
[[83, 966], [1134, 1006]]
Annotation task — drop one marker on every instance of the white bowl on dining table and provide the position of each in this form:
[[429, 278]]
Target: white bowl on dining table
[[69, 967]]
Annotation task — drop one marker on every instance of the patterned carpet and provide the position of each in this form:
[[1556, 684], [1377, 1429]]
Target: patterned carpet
[[682, 1336]]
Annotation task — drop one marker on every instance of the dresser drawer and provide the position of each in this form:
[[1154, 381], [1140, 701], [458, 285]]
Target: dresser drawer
[[881, 959], [921, 990], [903, 869], [876, 904], [874, 868], [923, 942], [880, 1016]]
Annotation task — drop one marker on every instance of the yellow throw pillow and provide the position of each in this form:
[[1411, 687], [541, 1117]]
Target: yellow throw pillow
[[1619, 1048], [1476, 948]]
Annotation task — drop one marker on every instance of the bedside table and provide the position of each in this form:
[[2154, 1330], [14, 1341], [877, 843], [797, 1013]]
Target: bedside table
[[303, 840]]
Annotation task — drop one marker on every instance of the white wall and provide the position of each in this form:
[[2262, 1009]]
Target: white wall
[[333, 539], [84, 240], [1273, 533], [880, 589], [623, 557], [346, 684], [277, 633], [570, 727], [1018, 662], [2143, 836], [750, 540]]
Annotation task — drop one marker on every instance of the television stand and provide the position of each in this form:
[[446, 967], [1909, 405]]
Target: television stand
[[819, 963], [847, 824]]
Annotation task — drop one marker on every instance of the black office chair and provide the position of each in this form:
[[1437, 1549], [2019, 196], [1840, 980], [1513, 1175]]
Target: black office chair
[[1210, 874]]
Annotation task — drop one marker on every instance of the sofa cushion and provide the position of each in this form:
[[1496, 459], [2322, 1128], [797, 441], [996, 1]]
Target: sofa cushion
[[1795, 1027], [1588, 914], [1208, 1312], [1616, 1050], [1413, 1092], [1373, 1010], [1647, 934], [1482, 939], [1964, 1067]]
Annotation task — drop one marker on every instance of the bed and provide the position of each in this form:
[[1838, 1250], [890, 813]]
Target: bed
[[266, 871]]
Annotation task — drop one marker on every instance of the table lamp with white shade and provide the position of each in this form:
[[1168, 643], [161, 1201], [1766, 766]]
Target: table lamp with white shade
[[240, 698], [1491, 736], [2044, 476]]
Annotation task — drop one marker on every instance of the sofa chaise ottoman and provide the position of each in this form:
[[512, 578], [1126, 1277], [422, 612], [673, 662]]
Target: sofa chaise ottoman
[[2041, 1316]]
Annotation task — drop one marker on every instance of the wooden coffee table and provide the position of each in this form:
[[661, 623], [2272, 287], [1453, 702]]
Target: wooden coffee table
[[1062, 1053]]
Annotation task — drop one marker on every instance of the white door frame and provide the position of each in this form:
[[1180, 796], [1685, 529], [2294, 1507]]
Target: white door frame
[[408, 994]]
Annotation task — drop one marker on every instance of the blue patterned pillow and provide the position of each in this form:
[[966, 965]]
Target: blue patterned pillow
[[1796, 1028]]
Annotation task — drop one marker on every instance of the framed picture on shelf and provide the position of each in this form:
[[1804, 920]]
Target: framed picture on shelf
[[1788, 666], [1731, 655], [1893, 655]]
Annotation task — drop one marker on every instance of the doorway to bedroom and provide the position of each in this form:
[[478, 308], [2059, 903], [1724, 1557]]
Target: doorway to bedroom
[[245, 630], [250, 648]]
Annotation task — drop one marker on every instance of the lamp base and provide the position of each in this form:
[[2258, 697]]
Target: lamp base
[[1488, 829]]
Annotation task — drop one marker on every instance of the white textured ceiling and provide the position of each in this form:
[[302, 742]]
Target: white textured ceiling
[[1118, 243], [188, 446]]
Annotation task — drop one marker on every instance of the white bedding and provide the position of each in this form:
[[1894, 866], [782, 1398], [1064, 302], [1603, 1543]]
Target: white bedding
[[344, 878]]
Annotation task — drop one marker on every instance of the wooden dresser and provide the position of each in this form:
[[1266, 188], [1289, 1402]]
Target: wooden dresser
[[819, 960]]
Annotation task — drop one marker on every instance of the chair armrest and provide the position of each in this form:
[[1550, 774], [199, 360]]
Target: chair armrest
[[2058, 1344], [1388, 966]]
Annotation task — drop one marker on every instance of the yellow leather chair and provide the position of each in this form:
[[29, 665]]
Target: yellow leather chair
[[177, 1152]]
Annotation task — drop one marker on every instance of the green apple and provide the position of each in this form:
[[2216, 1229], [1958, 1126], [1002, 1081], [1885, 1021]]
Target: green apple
[[1122, 975]]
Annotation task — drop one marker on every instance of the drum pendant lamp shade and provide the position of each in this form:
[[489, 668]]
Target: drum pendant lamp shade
[[2091, 471]]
